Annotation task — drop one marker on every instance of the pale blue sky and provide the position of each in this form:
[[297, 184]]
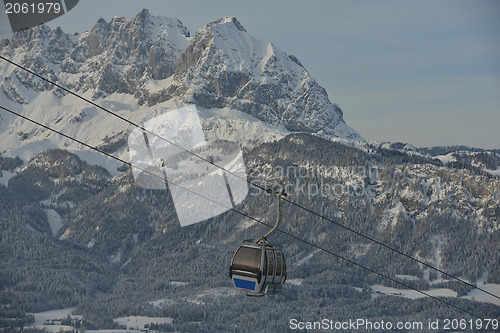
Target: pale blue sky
[[425, 72]]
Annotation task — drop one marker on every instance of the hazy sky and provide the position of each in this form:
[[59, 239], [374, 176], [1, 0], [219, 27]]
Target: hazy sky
[[425, 72]]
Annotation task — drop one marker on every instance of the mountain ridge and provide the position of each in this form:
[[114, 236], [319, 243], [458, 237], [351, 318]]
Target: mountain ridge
[[148, 65]]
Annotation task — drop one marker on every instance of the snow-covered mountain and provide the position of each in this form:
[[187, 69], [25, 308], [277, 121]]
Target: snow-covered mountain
[[224, 66], [245, 89]]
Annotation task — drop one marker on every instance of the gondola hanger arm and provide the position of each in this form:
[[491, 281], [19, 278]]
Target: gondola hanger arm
[[279, 193]]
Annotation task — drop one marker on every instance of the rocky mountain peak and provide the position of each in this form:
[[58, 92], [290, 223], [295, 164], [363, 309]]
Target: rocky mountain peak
[[150, 61], [231, 20], [224, 66], [100, 23], [143, 15]]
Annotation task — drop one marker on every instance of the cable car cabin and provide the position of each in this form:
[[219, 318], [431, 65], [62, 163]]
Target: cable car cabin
[[258, 269]]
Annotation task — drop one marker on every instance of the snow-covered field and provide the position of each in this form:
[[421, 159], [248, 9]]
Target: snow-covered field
[[42, 317], [410, 293], [475, 295], [138, 322], [43, 320], [493, 172], [55, 221], [54, 328], [479, 296], [6, 175], [53, 316]]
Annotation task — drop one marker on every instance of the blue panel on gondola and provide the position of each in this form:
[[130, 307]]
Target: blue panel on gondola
[[244, 284]]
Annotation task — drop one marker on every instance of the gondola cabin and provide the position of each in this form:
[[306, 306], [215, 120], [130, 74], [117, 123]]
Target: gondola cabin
[[258, 269]]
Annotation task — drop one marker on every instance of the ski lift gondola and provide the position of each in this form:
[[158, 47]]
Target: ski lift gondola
[[259, 268]]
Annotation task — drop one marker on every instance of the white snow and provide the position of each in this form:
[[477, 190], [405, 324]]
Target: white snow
[[178, 283], [217, 293], [245, 224], [138, 322], [53, 199], [295, 282], [226, 124], [446, 158], [132, 322], [65, 235], [426, 274], [26, 151], [480, 296], [407, 277], [5, 176], [437, 255], [114, 258], [413, 294], [55, 220], [93, 157], [157, 85], [474, 295], [212, 294], [124, 188], [163, 302], [390, 216], [236, 126], [54, 328], [42, 317], [493, 172], [306, 258], [437, 241]]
